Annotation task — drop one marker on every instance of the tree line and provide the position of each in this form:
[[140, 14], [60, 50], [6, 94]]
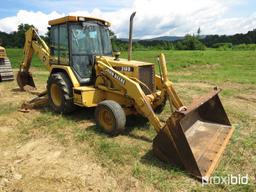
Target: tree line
[[237, 39], [189, 42], [196, 42], [16, 39]]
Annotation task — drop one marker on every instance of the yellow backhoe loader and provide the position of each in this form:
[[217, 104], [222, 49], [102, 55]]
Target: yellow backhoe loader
[[6, 73], [85, 72]]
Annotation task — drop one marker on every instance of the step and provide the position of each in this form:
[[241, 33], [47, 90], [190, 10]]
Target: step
[[6, 74], [7, 79], [5, 70]]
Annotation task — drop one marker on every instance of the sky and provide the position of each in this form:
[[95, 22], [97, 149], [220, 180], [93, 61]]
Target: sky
[[154, 17]]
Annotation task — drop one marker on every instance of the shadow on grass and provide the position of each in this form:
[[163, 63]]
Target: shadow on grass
[[150, 159], [79, 114], [82, 114], [15, 90], [133, 122]]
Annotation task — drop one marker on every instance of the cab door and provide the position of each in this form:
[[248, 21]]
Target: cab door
[[59, 49]]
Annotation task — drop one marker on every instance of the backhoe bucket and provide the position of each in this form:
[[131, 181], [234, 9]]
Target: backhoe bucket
[[25, 79], [195, 139]]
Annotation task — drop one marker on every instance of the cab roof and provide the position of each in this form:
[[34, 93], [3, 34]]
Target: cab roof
[[76, 19]]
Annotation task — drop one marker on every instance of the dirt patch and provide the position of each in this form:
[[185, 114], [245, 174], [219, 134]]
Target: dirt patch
[[242, 106], [41, 164], [44, 165], [232, 85], [204, 66], [195, 85], [251, 98], [181, 73]]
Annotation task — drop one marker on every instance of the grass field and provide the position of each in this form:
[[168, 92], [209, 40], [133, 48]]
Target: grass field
[[55, 153]]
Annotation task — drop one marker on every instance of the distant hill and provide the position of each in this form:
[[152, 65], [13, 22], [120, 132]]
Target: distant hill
[[161, 38], [165, 38], [126, 39]]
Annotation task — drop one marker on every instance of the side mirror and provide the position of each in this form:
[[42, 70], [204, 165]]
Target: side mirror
[[116, 54]]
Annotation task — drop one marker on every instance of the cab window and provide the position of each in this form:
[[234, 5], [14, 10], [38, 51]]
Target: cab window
[[59, 44]]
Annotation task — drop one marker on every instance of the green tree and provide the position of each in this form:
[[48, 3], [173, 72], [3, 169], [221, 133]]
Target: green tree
[[190, 43], [114, 41], [19, 36], [46, 37], [199, 31]]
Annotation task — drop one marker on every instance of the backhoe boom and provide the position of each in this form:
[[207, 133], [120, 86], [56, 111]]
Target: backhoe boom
[[34, 44]]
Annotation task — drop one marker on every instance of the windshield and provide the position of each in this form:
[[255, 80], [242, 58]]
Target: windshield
[[90, 38]]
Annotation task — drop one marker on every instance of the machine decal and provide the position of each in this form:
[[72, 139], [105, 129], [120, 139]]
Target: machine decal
[[124, 69], [117, 77]]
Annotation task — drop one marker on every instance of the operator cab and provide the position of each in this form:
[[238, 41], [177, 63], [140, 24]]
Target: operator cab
[[75, 41]]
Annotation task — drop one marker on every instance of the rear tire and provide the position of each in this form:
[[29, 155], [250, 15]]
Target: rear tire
[[60, 93], [110, 117]]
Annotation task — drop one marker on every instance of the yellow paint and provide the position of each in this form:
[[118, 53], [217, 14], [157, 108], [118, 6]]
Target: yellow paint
[[2, 53], [167, 85], [88, 96], [117, 80], [68, 71], [106, 119], [56, 95], [37, 47], [75, 19], [134, 91]]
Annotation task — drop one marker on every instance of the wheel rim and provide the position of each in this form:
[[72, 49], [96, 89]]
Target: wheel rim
[[56, 95], [106, 119]]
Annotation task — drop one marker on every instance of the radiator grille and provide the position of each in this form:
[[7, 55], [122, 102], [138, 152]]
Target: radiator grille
[[146, 75]]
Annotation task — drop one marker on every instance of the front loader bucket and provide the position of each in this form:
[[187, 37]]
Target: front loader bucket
[[25, 79], [195, 139]]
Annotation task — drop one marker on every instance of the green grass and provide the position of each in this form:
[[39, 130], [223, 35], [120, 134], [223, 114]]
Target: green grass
[[211, 65], [207, 66], [16, 58], [8, 108], [109, 151], [47, 123], [131, 153]]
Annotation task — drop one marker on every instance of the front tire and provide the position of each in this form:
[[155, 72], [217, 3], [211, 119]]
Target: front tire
[[110, 117], [60, 93]]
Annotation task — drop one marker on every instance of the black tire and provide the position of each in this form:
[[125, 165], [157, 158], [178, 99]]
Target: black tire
[[118, 117], [63, 84]]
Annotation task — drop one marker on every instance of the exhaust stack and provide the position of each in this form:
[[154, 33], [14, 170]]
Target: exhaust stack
[[130, 36]]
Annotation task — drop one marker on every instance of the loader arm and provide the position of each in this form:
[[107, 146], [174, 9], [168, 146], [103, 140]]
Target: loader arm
[[134, 91], [174, 100], [34, 44]]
